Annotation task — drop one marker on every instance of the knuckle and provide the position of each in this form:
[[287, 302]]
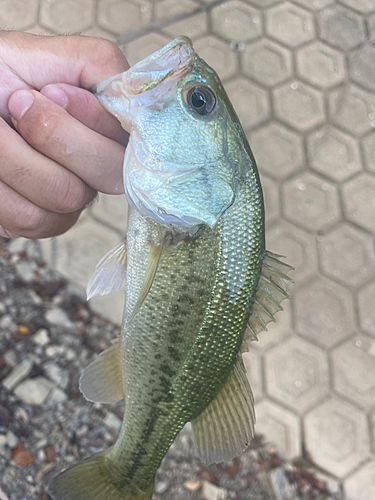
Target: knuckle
[[32, 219]]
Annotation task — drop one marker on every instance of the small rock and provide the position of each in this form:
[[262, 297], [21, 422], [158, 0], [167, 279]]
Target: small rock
[[18, 373], [112, 421], [17, 245], [10, 358], [26, 270], [211, 492], [34, 391], [56, 396], [161, 487], [50, 453], [191, 485], [58, 317], [22, 457], [55, 350], [12, 440], [3, 496], [3, 443], [53, 371], [41, 337], [7, 323], [5, 417], [282, 488]]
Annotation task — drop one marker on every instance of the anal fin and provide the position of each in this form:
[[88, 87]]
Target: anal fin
[[226, 426], [101, 380], [272, 290]]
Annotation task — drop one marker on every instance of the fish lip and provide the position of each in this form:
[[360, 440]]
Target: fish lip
[[173, 60]]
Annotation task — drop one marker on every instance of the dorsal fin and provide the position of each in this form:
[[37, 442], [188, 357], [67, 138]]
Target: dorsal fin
[[226, 426], [272, 286]]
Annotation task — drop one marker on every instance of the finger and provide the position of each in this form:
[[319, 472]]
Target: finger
[[37, 178], [20, 217], [50, 130], [85, 107]]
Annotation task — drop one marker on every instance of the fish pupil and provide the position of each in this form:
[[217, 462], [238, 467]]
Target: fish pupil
[[201, 100]]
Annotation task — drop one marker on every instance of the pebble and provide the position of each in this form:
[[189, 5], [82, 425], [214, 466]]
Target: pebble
[[3, 443], [56, 396], [41, 337], [161, 487], [10, 358], [3, 496], [191, 485], [12, 439], [34, 391], [55, 350], [18, 373], [26, 270], [58, 316], [212, 492], [54, 372], [112, 421], [7, 323]]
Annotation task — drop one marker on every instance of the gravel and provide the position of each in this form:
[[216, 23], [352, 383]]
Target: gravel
[[47, 336]]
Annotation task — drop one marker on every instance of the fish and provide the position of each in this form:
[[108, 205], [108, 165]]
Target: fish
[[199, 282]]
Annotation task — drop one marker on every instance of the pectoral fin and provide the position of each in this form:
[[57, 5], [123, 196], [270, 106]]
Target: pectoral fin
[[109, 272], [226, 426], [101, 380], [153, 264]]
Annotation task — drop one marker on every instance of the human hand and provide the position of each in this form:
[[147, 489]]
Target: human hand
[[58, 146]]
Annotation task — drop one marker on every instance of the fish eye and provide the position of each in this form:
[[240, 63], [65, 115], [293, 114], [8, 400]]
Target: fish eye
[[201, 100]]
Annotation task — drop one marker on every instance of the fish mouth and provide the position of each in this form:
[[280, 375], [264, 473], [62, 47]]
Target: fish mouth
[[172, 60]]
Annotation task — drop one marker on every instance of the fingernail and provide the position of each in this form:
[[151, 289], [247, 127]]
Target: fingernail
[[6, 234], [55, 94], [19, 102]]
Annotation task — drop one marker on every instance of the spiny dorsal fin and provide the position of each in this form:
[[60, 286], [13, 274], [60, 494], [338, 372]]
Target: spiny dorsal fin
[[273, 283], [101, 380], [109, 272], [226, 426], [153, 264]]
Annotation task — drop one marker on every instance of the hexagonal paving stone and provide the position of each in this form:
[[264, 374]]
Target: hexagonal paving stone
[[324, 312], [337, 437], [353, 109], [218, 55], [369, 151], [289, 24], [298, 246], [192, 26], [299, 105], [314, 4], [362, 65], [112, 210], [341, 27], [371, 25], [358, 382], [359, 200], [250, 102], [296, 374], [236, 20], [169, 8], [278, 152], [356, 265], [119, 16], [311, 202], [142, 47], [267, 62], [81, 248], [253, 365], [277, 332], [279, 427], [18, 14], [66, 15], [333, 153], [271, 198], [98, 32], [262, 3], [321, 65], [361, 483], [366, 308], [363, 6]]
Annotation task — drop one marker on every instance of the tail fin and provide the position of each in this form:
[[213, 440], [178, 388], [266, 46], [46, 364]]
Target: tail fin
[[90, 480]]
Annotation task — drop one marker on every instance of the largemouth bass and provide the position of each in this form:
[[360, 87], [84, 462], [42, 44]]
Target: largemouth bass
[[199, 283]]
